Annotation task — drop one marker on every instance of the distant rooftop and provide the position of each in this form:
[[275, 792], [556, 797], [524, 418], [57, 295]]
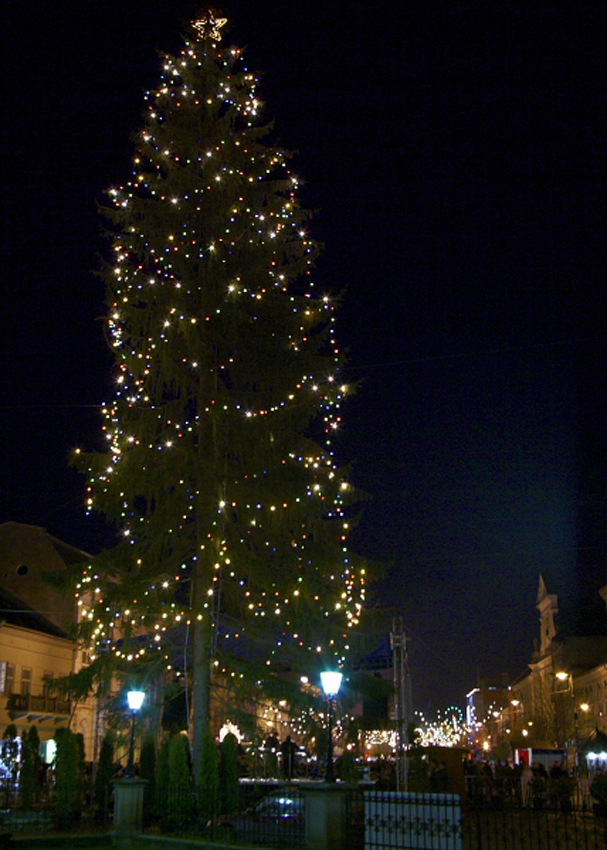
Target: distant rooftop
[[15, 612]]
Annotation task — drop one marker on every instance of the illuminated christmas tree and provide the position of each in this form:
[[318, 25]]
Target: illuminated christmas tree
[[219, 471]]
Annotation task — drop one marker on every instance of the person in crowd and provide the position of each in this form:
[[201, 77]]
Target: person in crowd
[[288, 748], [526, 779]]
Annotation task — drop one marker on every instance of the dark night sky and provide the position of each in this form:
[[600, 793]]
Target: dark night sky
[[456, 155]]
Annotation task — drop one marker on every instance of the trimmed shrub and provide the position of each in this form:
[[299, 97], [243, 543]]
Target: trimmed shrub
[[103, 778], [66, 778], [162, 782], [175, 796], [208, 784], [27, 774], [229, 790], [147, 770]]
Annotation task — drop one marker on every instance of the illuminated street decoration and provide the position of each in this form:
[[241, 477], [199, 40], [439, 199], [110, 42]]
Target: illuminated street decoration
[[219, 470], [209, 26]]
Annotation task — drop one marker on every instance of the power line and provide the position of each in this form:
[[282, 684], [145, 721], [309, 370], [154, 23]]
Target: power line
[[430, 358]]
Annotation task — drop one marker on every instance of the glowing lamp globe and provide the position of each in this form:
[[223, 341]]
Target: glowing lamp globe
[[135, 699], [331, 682]]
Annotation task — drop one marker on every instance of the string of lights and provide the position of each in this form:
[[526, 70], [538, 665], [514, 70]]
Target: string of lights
[[220, 473]]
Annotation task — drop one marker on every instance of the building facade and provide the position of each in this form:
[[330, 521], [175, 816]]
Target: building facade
[[561, 698], [36, 635]]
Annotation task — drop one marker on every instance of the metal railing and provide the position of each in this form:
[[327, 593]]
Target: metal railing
[[489, 822], [36, 704], [256, 813], [273, 815], [42, 814]]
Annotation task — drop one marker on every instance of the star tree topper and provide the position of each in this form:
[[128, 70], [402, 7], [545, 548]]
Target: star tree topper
[[209, 26]]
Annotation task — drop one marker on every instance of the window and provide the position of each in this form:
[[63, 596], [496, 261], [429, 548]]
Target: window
[[7, 677], [26, 681], [45, 676]]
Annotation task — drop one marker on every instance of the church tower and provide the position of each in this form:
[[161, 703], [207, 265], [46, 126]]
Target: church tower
[[547, 605]]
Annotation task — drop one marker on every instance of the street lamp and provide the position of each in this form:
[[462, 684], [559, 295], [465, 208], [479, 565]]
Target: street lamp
[[135, 701], [565, 679], [331, 682], [516, 712]]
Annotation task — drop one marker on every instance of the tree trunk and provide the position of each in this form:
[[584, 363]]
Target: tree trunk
[[201, 677]]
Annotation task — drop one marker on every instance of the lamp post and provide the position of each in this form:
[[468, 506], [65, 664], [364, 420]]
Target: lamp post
[[135, 701], [516, 714], [564, 685], [331, 682]]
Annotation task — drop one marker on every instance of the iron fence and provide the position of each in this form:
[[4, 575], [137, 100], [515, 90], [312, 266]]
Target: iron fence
[[401, 821], [394, 819], [267, 814], [274, 815], [271, 814], [21, 820], [43, 815]]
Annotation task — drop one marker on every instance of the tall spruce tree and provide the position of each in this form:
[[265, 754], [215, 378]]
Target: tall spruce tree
[[219, 471]]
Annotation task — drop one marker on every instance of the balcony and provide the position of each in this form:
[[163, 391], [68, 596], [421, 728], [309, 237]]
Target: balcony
[[37, 707]]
